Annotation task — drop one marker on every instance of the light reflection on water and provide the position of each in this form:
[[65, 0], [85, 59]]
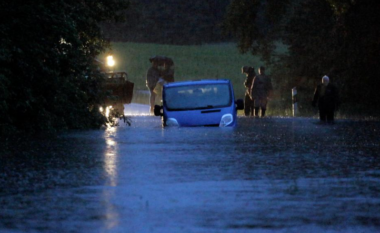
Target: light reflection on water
[[135, 109], [111, 155], [266, 175]]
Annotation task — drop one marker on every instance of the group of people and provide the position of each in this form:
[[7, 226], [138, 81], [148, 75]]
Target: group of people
[[160, 73], [259, 90]]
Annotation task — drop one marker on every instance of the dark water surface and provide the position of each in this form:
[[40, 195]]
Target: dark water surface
[[266, 175]]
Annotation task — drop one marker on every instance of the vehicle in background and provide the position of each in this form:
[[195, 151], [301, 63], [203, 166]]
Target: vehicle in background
[[119, 91], [199, 103]]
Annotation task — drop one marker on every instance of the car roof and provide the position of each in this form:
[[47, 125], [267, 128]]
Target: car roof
[[198, 82]]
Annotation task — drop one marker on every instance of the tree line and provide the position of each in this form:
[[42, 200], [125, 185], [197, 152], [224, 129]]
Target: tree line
[[176, 22], [338, 38]]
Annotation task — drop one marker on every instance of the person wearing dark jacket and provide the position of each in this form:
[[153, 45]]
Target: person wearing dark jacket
[[248, 102], [152, 78], [327, 99], [261, 91]]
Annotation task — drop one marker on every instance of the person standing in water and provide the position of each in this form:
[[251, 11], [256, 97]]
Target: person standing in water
[[261, 91], [248, 102], [152, 78], [327, 99]]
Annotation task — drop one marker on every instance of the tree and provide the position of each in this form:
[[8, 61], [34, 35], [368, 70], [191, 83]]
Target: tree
[[47, 73], [333, 37], [170, 22]]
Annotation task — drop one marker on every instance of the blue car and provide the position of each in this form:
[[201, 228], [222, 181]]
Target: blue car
[[199, 103]]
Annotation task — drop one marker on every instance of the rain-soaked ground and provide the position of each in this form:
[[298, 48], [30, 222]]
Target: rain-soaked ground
[[266, 175]]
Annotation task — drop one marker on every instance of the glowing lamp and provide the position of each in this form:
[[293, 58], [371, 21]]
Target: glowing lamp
[[110, 61]]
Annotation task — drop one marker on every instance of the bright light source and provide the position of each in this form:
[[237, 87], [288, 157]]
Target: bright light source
[[108, 110], [110, 61], [105, 111]]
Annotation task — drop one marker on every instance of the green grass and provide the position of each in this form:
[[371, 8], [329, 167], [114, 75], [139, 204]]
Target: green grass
[[191, 62], [194, 62], [210, 62]]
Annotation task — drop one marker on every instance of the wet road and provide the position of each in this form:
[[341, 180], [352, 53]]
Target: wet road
[[266, 175]]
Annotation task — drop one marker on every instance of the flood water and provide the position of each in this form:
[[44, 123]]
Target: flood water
[[265, 175]]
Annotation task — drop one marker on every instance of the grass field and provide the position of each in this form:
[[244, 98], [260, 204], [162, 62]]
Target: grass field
[[191, 62], [206, 62]]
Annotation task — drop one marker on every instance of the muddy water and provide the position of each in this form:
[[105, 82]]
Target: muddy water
[[266, 175]]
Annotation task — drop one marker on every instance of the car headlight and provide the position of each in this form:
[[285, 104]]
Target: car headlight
[[226, 120], [171, 122]]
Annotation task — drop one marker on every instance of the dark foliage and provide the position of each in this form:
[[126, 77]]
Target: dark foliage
[[170, 22], [47, 77], [339, 38]]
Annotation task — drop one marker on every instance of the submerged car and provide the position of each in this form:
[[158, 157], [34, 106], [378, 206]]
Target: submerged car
[[199, 103]]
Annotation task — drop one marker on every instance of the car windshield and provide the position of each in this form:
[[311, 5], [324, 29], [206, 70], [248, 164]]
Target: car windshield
[[201, 96]]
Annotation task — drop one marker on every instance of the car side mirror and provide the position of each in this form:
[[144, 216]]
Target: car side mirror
[[239, 104], [158, 110]]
